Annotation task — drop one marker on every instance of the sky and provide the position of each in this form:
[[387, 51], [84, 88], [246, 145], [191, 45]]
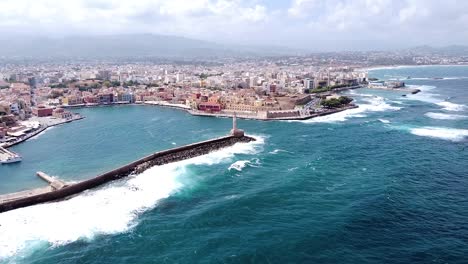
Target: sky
[[319, 25]]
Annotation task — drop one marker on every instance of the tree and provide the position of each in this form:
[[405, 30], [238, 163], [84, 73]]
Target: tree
[[336, 102], [344, 100]]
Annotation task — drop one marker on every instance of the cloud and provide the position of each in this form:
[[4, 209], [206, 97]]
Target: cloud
[[384, 22], [328, 24], [111, 16]]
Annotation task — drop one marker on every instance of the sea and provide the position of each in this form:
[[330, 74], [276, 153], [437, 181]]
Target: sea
[[384, 183]]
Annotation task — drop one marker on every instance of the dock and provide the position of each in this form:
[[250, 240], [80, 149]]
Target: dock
[[54, 184], [59, 190]]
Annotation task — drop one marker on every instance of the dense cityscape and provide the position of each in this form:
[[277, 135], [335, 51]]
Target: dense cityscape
[[35, 95], [233, 131]]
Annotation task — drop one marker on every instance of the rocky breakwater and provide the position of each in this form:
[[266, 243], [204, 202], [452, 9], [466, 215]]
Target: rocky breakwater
[[190, 151], [25, 199]]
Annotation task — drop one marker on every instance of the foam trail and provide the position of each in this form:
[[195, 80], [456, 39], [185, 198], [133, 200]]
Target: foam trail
[[420, 78], [451, 134], [276, 151], [434, 99], [442, 116], [385, 121], [440, 79], [239, 165], [102, 211], [375, 104], [452, 106]]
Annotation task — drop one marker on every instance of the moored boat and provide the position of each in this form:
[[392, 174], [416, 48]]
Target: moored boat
[[12, 159]]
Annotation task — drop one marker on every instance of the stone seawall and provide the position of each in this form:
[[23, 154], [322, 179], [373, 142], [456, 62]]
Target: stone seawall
[[136, 167]]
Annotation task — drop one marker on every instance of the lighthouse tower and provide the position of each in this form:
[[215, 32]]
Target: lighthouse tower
[[235, 131]]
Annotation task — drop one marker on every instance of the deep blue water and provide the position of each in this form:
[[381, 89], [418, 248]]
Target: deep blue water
[[384, 183]]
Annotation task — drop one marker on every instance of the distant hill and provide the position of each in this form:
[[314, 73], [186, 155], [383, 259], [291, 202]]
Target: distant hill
[[453, 50], [136, 45]]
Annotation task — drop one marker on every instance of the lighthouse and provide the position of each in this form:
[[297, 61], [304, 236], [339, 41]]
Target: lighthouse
[[235, 131]]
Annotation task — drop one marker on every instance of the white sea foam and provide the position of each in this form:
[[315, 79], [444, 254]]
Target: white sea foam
[[385, 121], [408, 66], [455, 78], [442, 116], [276, 151], [420, 78], [374, 104], [440, 79], [102, 211], [433, 98], [451, 106], [451, 134], [239, 165]]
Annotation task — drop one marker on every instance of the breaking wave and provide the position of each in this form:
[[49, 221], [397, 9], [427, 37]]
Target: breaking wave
[[451, 134], [101, 211], [451, 106], [385, 121], [428, 97], [239, 165], [374, 104], [439, 78], [276, 151], [442, 116]]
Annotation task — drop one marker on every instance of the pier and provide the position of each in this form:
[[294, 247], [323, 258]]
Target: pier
[[58, 190], [54, 183]]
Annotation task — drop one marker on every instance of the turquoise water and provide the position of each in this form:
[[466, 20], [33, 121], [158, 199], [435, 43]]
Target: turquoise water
[[384, 183]]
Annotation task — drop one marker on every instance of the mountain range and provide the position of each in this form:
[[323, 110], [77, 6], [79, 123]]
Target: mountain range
[[157, 46], [135, 45]]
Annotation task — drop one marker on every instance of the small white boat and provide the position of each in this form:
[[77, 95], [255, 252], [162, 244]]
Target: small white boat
[[9, 156], [12, 159]]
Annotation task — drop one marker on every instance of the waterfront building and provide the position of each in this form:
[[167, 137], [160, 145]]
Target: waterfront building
[[62, 113], [209, 107], [106, 98], [42, 111], [309, 83]]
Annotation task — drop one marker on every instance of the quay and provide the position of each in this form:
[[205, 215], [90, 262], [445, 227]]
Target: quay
[[255, 116], [38, 131], [54, 184], [58, 190], [282, 115]]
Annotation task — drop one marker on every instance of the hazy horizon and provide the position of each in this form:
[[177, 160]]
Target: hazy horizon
[[310, 25]]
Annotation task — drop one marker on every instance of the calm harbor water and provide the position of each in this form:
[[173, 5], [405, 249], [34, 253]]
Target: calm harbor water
[[384, 183]]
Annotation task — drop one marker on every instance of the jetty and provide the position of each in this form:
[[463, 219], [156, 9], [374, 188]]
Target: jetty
[[59, 190]]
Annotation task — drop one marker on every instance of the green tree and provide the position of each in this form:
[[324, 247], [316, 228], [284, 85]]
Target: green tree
[[336, 102]]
